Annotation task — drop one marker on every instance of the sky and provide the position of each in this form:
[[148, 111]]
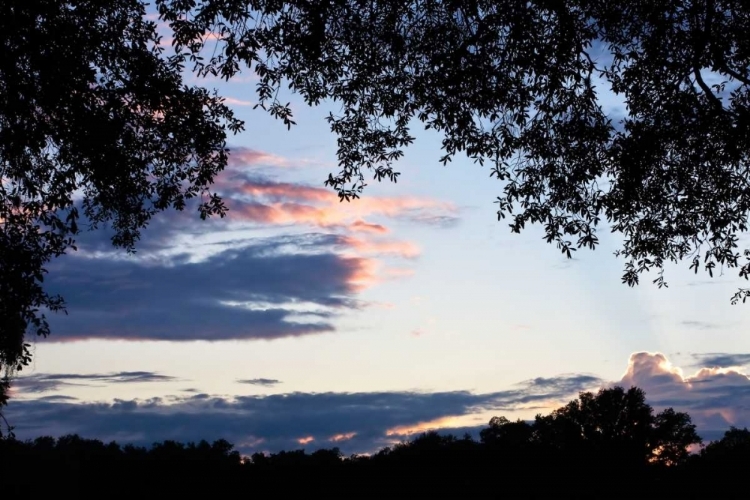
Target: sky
[[299, 321]]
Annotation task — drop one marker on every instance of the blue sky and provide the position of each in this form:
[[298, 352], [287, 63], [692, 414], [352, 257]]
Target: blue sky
[[299, 321]]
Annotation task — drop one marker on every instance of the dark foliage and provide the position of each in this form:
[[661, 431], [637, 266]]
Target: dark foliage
[[608, 445], [518, 84], [96, 127]]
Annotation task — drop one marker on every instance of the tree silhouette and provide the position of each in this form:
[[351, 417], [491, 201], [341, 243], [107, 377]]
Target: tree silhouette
[[618, 425], [90, 106], [518, 85], [578, 451]]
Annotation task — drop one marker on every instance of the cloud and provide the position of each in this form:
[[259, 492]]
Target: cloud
[[360, 225], [238, 102], [563, 383], [45, 382], [345, 256], [356, 422], [253, 198], [276, 287], [57, 397], [241, 157], [722, 359], [265, 382], [715, 397], [700, 325]]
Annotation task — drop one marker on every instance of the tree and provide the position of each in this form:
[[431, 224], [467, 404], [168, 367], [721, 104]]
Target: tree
[[517, 84], [96, 127], [732, 450], [503, 432], [615, 424]]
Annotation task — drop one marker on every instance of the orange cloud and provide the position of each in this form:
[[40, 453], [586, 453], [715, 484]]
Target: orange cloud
[[342, 437], [306, 440], [270, 202], [360, 225], [418, 428], [330, 214], [364, 274]]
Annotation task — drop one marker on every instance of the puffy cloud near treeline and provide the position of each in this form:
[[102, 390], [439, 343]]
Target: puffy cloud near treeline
[[714, 396]]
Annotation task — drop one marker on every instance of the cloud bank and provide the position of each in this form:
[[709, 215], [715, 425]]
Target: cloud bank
[[287, 260], [355, 422]]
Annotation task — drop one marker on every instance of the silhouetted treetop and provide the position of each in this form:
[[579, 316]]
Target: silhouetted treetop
[[621, 423], [521, 85]]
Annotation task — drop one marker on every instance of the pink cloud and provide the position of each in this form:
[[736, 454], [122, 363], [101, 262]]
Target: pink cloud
[[242, 157], [360, 225], [272, 203], [326, 211]]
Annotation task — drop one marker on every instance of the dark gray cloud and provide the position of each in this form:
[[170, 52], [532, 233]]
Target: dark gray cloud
[[57, 397], [564, 383], [180, 299], [355, 422], [45, 382], [422, 217], [725, 359], [266, 382]]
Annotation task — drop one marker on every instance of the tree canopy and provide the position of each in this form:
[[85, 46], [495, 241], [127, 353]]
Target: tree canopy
[[97, 125], [519, 85]]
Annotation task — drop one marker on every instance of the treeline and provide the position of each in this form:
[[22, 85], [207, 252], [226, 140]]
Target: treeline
[[608, 445]]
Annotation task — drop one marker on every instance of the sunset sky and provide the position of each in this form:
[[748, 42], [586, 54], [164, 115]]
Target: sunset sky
[[302, 322]]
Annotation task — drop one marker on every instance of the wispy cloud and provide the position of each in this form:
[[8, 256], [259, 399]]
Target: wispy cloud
[[265, 382], [241, 157], [284, 203], [700, 325], [238, 102], [722, 359], [45, 382]]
